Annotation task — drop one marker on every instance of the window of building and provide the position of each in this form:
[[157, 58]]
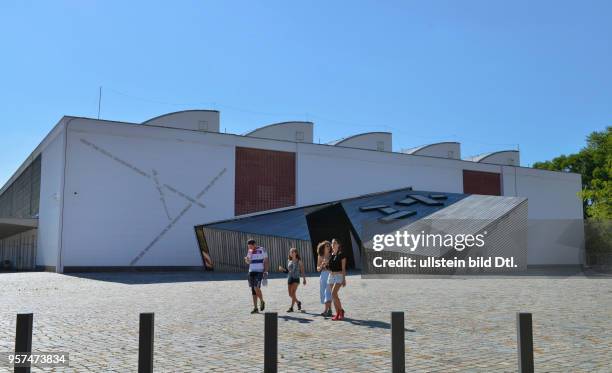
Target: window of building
[[203, 125], [299, 136], [380, 146]]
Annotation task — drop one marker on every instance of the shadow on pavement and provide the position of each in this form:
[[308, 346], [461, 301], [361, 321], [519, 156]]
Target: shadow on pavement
[[141, 278], [372, 324], [146, 277], [301, 320]]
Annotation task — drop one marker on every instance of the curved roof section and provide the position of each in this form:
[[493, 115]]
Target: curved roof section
[[444, 149], [297, 131], [345, 139], [197, 119], [176, 113], [276, 124], [503, 157], [368, 140]]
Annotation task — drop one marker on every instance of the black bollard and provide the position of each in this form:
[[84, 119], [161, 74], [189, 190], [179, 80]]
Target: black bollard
[[145, 343], [398, 347], [524, 342], [23, 338], [271, 343]]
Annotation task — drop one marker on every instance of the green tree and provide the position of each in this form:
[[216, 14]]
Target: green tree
[[594, 163]]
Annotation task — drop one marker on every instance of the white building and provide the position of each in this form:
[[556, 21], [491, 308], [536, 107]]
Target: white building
[[106, 194]]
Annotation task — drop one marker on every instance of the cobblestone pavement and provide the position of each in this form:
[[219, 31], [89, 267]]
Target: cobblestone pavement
[[464, 324]]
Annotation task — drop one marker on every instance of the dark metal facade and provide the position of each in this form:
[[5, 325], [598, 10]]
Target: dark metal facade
[[228, 249], [22, 198], [20, 250]]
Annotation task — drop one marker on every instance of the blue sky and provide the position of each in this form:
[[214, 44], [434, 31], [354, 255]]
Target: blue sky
[[490, 74]]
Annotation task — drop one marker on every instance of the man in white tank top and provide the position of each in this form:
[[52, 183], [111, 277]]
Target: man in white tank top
[[257, 259]]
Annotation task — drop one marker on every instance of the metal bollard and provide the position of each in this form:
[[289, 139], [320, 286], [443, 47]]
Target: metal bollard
[[524, 342], [145, 343], [23, 338], [398, 347], [271, 343]]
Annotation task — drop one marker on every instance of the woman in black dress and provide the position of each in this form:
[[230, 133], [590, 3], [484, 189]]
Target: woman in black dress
[[337, 277]]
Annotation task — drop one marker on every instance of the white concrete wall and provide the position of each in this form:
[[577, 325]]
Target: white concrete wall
[[556, 234], [49, 216], [330, 173], [555, 210], [113, 209], [287, 131]]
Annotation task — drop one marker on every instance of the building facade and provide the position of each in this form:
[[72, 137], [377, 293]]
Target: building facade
[[106, 194]]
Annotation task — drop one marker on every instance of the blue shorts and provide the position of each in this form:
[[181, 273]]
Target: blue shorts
[[335, 278]]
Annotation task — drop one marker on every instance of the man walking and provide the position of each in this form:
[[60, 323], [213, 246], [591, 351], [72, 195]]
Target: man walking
[[257, 259]]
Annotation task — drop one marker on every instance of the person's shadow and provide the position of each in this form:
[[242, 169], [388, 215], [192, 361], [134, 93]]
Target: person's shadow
[[301, 320], [372, 324]]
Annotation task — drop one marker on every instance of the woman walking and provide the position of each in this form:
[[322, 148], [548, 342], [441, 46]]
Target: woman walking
[[295, 268], [323, 254], [337, 277]]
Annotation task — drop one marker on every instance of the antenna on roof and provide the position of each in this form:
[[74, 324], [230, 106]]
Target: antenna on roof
[[99, 101]]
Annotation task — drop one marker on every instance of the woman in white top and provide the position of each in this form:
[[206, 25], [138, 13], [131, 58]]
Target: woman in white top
[[323, 253]]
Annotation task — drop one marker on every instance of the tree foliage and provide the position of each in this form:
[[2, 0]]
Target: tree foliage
[[594, 163]]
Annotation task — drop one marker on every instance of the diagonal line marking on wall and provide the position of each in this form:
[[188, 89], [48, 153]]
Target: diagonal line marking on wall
[[168, 227], [181, 194], [162, 197], [141, 172]]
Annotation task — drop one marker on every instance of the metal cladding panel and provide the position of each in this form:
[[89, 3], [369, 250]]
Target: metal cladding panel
[[20, 250], [22, 198], [478, 182], [503, 218], [360, 218], [265, 180], [228, 249], [290, 224]]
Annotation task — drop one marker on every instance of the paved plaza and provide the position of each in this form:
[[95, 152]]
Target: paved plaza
[[202, 321]]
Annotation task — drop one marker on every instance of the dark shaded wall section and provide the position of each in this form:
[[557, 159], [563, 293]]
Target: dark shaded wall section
[[265, 180], [22, 198], [329, 223]]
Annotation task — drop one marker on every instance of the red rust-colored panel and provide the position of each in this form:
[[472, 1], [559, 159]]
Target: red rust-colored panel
[[478, 182], [265, 180]]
